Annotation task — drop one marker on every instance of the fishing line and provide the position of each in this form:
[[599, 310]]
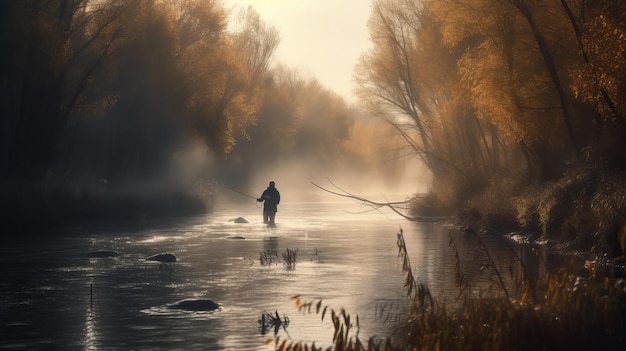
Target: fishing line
[[243, 194], [239, 192]]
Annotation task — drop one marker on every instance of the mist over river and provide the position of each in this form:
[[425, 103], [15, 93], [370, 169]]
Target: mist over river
[[346, 256]]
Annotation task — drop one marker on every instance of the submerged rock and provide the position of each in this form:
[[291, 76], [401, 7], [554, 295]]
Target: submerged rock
[[102, 254], [164, 257], [194, 305], [241, 220], [236, 237]]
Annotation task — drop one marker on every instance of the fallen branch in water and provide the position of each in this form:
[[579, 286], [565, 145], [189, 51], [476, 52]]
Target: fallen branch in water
[[394, 206]]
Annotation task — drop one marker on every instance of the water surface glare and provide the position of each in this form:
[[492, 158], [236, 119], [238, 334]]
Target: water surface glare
[[53, 296]]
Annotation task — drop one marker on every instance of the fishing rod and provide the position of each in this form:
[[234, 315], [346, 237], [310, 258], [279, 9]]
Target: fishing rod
[[239, 192]]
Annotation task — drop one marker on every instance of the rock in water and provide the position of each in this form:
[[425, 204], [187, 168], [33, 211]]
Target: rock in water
[[241, 220], [194, 305], [236, 237], [164, 257], [102, 254]]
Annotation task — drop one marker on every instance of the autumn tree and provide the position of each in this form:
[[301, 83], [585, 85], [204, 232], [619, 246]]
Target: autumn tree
[[50, 52], [387, 75], [106, 95], [411, 81], [177, 76], [508, 84], [227, 88], [299, 122], [499, 95], [558, 92], [599, 78], [496, 75]]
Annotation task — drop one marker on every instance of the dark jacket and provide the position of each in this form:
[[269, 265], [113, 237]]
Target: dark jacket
[[271, 196]]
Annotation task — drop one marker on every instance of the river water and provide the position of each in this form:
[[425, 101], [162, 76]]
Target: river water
[[53, 297]]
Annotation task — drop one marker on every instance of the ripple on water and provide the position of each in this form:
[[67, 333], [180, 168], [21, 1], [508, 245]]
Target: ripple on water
[[348, 261]]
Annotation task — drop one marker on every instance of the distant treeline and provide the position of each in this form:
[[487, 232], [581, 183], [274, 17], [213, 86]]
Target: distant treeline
[[517, 107], [112, 108]]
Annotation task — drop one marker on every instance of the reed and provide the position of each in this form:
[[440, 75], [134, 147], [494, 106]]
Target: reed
[[556, 311], [290, 257], [272, 321], [268, 257], [345, 335]]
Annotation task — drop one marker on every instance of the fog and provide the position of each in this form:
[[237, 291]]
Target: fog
[[376, 178], [296, 179], [156, 109]]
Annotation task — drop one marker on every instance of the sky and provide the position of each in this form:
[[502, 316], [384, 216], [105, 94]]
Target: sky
[[318, 38]]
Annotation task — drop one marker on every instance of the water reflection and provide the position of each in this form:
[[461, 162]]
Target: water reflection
[[270, 243], [90, 340], [347, 260]]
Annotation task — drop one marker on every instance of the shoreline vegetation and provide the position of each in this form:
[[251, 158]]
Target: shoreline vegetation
[[517, 109], [558, 310], [583, 210], [39, 211]]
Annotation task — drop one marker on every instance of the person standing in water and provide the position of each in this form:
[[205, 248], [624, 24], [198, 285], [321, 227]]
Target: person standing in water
[[271, 196]]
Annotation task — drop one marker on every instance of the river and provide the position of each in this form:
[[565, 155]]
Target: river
[[54, 297]]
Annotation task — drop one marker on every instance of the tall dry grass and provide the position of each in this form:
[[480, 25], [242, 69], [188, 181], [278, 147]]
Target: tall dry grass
[[558, 311]]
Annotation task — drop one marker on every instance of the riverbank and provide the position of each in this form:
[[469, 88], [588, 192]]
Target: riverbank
[[582, 210], [555, 311], [38, 211]]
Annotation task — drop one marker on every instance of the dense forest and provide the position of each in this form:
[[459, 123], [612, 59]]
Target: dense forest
[[118, 109], [115, 109], [517, 107]]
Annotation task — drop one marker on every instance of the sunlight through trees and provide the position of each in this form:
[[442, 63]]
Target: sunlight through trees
[[499, 96], [117, 99]]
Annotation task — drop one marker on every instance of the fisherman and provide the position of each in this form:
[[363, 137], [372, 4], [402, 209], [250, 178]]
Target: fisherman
[[271, 196]]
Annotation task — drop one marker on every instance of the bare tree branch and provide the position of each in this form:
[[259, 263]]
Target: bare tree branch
[[394, 206]]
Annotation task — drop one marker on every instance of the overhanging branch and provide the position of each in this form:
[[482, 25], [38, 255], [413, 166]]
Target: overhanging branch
[[394, 206]]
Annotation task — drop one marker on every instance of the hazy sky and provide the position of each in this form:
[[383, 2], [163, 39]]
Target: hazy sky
[[320, 38]]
